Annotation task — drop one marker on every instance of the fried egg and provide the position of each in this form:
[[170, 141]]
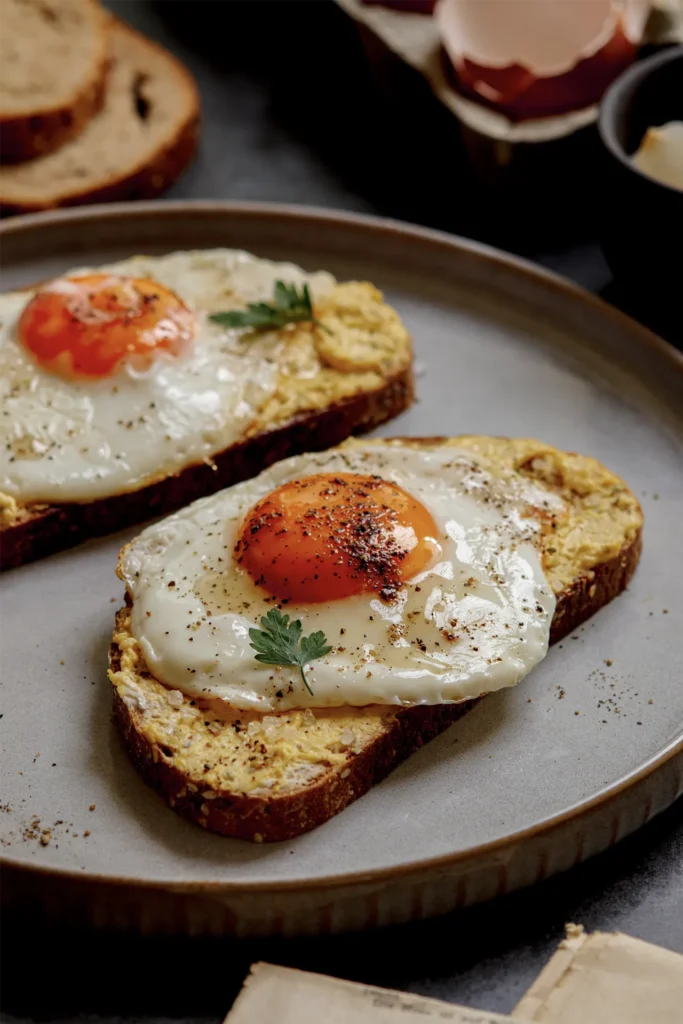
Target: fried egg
[[418, 566], [115, 377]]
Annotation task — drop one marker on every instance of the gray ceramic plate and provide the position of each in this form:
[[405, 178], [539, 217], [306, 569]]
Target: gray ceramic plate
[[525, 785]]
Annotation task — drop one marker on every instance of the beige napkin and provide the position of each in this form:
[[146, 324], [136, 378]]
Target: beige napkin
[[280, 995], [591, 979], [608, 979]]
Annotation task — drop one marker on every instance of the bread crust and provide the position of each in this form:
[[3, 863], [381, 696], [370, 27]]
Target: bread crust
[[592, 590], [278, 818], [261, 819], [145, 182], [23, 138], [51, 528], [26, 136], [148, 179]]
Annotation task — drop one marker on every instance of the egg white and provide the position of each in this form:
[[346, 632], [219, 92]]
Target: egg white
[[64, 440], [476, 621]]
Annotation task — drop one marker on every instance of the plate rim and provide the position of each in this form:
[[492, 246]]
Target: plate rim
[[322, 216]]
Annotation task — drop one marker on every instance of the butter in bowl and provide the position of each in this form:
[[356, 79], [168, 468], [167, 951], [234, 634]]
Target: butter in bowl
[[641, 216], [660, 154]]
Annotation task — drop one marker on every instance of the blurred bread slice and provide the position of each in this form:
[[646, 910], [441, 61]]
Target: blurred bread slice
[[141, 140], [53, 65]]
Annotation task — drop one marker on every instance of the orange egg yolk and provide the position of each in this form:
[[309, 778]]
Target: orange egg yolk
[[327, 537], [86, 326]]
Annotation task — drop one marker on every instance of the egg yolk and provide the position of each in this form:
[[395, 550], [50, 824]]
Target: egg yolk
[[327, 537], [85, 326]]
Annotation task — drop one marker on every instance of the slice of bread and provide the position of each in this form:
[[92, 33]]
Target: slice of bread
[[320, 399], [53, 65], [272, 777], [134, 148]]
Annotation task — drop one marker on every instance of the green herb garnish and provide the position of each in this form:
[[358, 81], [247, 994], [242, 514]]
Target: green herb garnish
[[280, 643], [288, 307]]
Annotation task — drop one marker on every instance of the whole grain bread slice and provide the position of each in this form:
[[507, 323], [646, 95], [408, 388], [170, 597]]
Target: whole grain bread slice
[[331, 385], [53, 66], [273, 777], [135, 147], [40, 530]]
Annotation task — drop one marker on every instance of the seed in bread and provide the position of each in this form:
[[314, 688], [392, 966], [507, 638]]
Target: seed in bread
[[264, 776]]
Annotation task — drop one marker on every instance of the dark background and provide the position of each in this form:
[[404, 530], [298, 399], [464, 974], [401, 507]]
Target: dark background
[[292, 113]]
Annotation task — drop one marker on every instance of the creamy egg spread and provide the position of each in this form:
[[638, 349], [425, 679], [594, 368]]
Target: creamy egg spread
[[419, 567]]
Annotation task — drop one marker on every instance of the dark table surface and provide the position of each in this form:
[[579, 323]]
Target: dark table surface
[[292, 114]]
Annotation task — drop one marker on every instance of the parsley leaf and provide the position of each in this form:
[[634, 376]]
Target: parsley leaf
[[280, 643], [288, 307]]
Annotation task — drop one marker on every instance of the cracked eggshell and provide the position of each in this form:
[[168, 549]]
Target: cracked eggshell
[[539, 58]]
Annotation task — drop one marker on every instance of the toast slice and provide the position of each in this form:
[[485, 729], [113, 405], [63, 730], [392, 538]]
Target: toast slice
[[273, 777], [53, 67], [134, 148], [330, 386]]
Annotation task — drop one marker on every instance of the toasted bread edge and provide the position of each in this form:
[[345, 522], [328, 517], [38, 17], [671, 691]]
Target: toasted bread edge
[[49, 529], [26, 136], [266, 819], [149, 178]]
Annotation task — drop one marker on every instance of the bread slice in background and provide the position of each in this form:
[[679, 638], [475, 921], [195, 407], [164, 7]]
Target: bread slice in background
[[53, 65], [134, 148], [272, 777]]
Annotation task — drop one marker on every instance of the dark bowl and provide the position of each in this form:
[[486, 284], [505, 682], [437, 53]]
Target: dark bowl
[[641, 225]]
